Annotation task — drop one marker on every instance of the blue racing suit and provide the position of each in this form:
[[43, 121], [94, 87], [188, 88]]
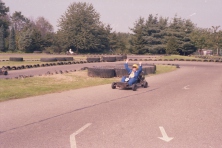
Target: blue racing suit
[[136, 75]]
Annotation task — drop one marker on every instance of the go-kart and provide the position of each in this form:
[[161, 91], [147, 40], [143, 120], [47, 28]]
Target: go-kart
[[141, 82]]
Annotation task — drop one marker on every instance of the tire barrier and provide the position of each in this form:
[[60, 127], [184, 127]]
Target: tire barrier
[[109, 72], [120, 72], [119, 58], [69, 59], [48, 60], [125, 57], [93, 59], [109, 59], [16, 59], [60, 59], [101, 72]]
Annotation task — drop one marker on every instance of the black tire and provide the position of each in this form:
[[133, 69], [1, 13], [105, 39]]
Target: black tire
[[90, 60], [101, 72], [69, 58], [5, 73], [60, 58], [120, 72], [113, 86], [48, 59], [145, 84], [119, 58], [134, 87], [109, 59], [16, 59]]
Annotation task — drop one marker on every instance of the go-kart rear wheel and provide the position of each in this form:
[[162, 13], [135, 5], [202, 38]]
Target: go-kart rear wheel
[[134, 87], [145, 84], [113, 85]]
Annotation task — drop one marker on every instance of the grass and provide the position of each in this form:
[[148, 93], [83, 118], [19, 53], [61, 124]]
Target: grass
[[22, 88], [178, 57], [33, 56], [164, 69], [9, 63]]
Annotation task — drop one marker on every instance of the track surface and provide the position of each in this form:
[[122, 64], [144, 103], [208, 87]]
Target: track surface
[[187, 103]]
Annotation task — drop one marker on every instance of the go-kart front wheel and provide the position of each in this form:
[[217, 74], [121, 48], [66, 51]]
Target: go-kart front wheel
[[134, 87], [145, 84], [113, 85]]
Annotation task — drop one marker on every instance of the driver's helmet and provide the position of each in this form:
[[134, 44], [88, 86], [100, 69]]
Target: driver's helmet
[[136, 66]]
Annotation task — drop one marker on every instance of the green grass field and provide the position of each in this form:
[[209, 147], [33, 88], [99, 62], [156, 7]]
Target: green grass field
[[22, 88], [178, 57]]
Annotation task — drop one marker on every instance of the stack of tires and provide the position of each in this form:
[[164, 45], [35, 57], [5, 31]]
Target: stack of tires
[[93, 59], [109, 72], [101, 72], [109, 59], [19, 59], [56, 59]]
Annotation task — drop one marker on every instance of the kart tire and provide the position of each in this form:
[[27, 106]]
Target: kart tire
[[5, 73], [134, 87], [145, 84], [113, 85]]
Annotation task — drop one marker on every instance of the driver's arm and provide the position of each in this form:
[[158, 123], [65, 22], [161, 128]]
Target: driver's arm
[[127, 67]]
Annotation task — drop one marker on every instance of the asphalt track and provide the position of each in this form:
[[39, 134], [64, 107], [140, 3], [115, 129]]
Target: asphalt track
[[185, 105]]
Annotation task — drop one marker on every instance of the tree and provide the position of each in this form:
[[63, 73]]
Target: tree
[[3, 9], [26, 41], [137, 42], [43, 26], [172, 45], [81, 29], [3, 15], [2, 39], [19, 21], [12, 43]]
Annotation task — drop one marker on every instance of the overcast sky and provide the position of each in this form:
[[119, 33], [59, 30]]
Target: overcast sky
[[121, 14]]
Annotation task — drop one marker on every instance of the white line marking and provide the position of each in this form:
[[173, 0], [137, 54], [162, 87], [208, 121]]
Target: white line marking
[[186, 87], [73, 136], [164, 134]]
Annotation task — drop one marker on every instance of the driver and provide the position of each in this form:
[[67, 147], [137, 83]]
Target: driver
[[133, 73]]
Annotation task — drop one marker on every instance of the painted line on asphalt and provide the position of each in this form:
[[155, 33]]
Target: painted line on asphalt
[[164, 135], [73, 136], [186, 87]]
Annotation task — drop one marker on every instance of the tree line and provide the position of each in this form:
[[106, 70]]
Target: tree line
[[81, 30]]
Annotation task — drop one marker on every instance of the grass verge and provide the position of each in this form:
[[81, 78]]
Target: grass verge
[[21, 88], [178, 57]]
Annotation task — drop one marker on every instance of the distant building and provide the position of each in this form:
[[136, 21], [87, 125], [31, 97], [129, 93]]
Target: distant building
[[206, 52]]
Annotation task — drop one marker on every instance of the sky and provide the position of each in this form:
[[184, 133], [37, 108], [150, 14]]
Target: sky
[[122, 14]]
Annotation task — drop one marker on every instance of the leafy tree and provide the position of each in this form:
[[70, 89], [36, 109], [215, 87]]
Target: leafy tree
[[172, 45], [43, 26], [200, 38], [2, 39], [137, 41], [12, 43], [19, 21], [117, 43], [181, 29], [26, 41], [3, 15], [81, 29]]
